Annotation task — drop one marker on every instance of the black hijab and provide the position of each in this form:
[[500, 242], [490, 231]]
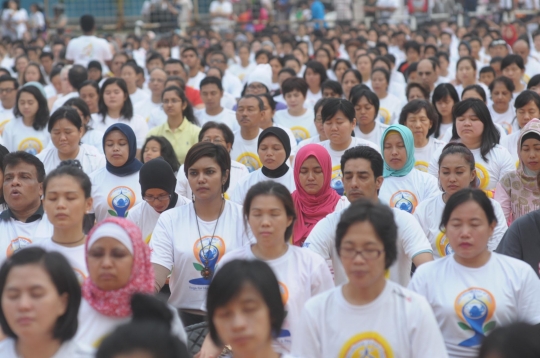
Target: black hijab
[[132, 165], [283, 137], [158, 174]]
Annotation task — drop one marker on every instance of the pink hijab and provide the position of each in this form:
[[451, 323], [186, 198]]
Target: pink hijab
[[117, 303], [310, 209]]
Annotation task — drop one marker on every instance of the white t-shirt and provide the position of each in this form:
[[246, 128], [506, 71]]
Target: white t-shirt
[[487, 173], [157, 117], [447, 137], [178, 245], [89, 157], [145, 108], [511, 144], [238, 172], [226, 116], [245, 151], [195, 82], [114, 196], [240, 192], [301, 275], [303, 127], [76, 256], [241, 72], [408, 191], [389, 109], [69, 349], [337, 177], [139, 96], [470, 302], [6, 115], [429, 214], [227, 101], [398, 323], [232, 84], [313, 140], [531, 68], [146, 218], [411, 241], [137, 123], [445, 129], [375, 135], [84, 49], [422, 156], [17, 136], [505, 120], [63, 99], [94, 138], [312, 98]]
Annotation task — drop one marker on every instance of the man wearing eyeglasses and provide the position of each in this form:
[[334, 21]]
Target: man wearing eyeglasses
[[8, 95], [231, 83]]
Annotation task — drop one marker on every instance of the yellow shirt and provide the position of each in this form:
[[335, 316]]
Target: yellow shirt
[[182, 138]]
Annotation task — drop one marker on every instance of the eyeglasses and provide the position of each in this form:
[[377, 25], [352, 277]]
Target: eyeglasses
[[256, 86], [160, 198], [215, 140], [368, 255], [6, 90]]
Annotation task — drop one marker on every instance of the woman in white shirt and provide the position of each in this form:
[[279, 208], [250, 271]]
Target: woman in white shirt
[[456, 171], [190, 240], [368, 313], [466, 74], [28, 131], [420, 117], [501, 109], [90, 136], [274, 150], [404, 187], [481, 289], [65, 127], [474, 128], [443, 99], [129, 74], [389, 105], [116, 188], [314, 75], [89, 93], [40, 301], [366, 106]]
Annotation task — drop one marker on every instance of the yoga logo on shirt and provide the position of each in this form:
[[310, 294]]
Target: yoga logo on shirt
[[31, 145], [421, 165], [3, 124], [475, 307], [88, 51], [207, 255], [250, 160], [336, 182], [404, 200], [384, 116], [17, 244], [482, 176], [443, 245], [121, 199], [367, 344], [284, 291], [300, 133], [507, 127], [80, 275]]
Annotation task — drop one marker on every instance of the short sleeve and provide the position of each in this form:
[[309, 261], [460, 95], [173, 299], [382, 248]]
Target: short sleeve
[[412, 236], [70, 51], [321, 239], [500, 229], [161, 245], [419, 215]]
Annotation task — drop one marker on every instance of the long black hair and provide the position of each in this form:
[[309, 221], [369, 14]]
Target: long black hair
[[127, 108], [441, 92], [188, 111], [42, 115]]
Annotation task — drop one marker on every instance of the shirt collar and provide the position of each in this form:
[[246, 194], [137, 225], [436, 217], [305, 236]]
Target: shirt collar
[[38, 215], [179, 129]]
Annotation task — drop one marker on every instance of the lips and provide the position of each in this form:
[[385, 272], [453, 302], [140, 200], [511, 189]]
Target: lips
[[24, 321], [465, 245]]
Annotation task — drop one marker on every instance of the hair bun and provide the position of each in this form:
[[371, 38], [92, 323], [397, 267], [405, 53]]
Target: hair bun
[[71, 163]]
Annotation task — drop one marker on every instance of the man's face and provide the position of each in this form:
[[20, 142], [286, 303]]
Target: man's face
[[359, 181], [8, 94], [248, 113], [94, 74], [412, 55], [157, 82], [47, 64], [21, 186], [522, 50], [211, 96], [190, 59], [117, 63], [486, 78], [426, 74], [219, 62], [175, 69]]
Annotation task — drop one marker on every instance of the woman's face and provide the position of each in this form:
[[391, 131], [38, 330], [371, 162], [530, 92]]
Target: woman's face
[[513, 72], [311, 176], [322, 57], [340, 70], [90, 96], [268, 220], [445, 105], [465, 72], [57, 83], [214, 135], [66, 137], [415, 93], [244, 323], [152, 150], [31, 303], [173, 104], [276, 66], [363, 65], [378, 82], [65, 203], [116, 148], [362, 273], [530, 154], [455, 174], [114, 97], [243, 53], [365, 111], [468, 230], [469, 126], [526, 113], [32, 74], [21, 64], [500, 95], [271, 152], [206, 179], [109, 264], [349, 81], [313, 79], [395, 153], [130, 76], [28, 105], [419, 124], [463, 51], [319, 124], [338, 129], [158, 199]]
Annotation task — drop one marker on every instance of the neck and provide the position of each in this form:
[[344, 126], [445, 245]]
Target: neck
[[447, 119], [28, 121], [315, 89], [472, 144], [210, 209], [156, 98], [132, 89], [194, 71], [245, 63], [270, 251], [381, 94], [114, 113], [68, 156], [367, 128], [474, 262], [249, 133], [365, 79], [24, 214], [519, 87], [214, 111], [471, 82], [8, 105], [297, 111], [341, 146], [260, 352], [69, 237], [363, 296], [444, 73], [501, 108], [37, 347], [266, 124], [175, 122], [420, 142]]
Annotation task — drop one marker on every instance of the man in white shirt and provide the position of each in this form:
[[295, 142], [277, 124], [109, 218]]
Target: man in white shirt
[[8, 95], [158, 77], [231, 83], [532, 66], [211, 94], [88, 47], [75, 77], [220, 11], [191, 58]]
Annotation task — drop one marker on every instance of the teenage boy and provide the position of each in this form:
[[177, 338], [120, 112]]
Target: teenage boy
[[211, 94]]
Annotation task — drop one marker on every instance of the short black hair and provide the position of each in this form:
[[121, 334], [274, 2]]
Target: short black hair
[[77, 75], [495, 59], [356, 96], [291, 58], [294, 83], [507, 82], [166, 151], [335, 105], [263, 53], [533, 82], [229, 281], [511, 59], [383, 60], [209, 80], [367, 153], [341, 60], [72, 168], [471, 60], [190, 48], [334, 86], [421, 87], [318, 68], [91, 83], [8, 78], [476, 88], [380, 216], [63, 278], [443, 54], [228, 134], [415, 106], [259, 100], [463, 196], [87, 23], [42, 115], [525, 97], [46, 54], [15, 158], [65, 112], [213, 151], [127, 108], [488, 69], [412, 45], [385, 73], [155, 56], [288, 70], [270, 99], [459, 148]]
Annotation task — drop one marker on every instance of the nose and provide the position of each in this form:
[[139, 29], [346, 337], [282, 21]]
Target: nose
[[25, 302], [238, 322]]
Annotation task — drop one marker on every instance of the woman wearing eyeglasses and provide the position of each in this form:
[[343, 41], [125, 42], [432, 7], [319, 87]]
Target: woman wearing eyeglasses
[[157, 189]]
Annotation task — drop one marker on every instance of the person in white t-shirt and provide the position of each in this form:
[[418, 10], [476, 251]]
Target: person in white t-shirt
[[389, 105], [191, 239], [366, 105], [157, 190], [191, 58], [502, 111], [420, 117], [156, 85], [244, 67], [89, 93], [443, 99], [53, 312], [231, 84], [220, 134], [88, 47], [115, 106], [474, 128], [90, 136], [8, 98], [116, 188], [129, 74], [211, 95], [297, 118], [368, 313], [512, 66], [28, 132], [76, 75], [481, 289], [363, 176], [456, 171], [65, 127], [274, 150], [320, 137]]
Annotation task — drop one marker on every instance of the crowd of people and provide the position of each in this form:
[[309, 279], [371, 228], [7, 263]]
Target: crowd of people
[[335, 193]]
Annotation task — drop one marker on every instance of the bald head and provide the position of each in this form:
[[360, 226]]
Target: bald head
[[427, 73], [158, 77]]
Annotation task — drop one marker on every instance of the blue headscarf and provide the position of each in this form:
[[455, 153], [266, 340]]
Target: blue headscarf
[[132, 165], [408, 140]]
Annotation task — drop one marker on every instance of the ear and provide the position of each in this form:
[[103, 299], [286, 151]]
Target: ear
[[473, 175], [184, 105], [40, 189], [63, 304], [289, 220], [89, 204], [225, 177], [354, 122], [379, 182]]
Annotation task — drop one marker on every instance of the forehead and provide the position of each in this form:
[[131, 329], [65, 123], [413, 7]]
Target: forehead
[[21, 167], [248, 101], [358, 164]]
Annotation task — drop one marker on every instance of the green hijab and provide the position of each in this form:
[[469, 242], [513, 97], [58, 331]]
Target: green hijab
[[408, 139]]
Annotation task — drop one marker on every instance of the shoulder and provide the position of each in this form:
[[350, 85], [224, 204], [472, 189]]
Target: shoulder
[[319, 302], [97, 174], [306, 258], [423, 207], [511, 263], [90, 150], [233, 208], [7, 348]]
